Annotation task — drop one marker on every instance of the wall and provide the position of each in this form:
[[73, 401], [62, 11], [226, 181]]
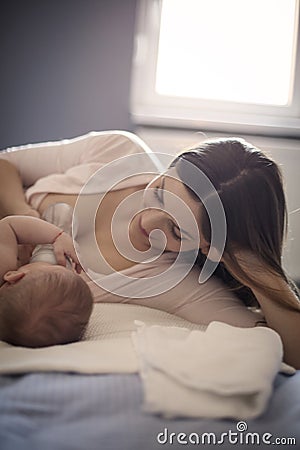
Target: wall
[[65, 68]]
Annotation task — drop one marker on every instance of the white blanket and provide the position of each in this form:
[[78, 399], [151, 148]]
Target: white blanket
[[186, 371], [224, 371], [106, 348]]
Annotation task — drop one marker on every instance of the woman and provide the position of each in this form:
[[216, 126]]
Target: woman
[[247, 183]]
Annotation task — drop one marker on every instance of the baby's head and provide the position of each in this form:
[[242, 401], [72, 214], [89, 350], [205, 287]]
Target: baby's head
[[47, 306]]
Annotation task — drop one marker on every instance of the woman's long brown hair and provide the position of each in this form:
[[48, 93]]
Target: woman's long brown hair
[[250, 188]]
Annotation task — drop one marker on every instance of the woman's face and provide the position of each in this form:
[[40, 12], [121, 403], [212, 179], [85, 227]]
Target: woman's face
[[170, 208]]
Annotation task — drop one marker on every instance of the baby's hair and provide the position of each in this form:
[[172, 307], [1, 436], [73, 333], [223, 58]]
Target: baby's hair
[[45, 309]]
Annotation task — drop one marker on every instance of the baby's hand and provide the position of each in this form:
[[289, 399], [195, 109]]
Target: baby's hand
[[63, 248]]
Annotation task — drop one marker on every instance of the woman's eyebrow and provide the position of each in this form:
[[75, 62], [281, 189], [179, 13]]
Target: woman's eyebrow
[[162, 187]]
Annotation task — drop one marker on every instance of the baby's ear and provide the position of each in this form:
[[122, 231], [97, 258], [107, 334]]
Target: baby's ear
[[13, 276]]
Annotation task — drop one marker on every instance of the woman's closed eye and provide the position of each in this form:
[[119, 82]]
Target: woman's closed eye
[[172, 228], [158, 194]]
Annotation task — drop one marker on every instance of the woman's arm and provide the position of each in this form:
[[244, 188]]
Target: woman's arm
[[35, 161], [21, 167], [12, 198], [279, 304], [65, 166], [281, 318]]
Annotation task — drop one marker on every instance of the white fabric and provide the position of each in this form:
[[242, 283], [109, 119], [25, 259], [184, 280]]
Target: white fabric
[[224, 371], [106, 348], [185, 371]]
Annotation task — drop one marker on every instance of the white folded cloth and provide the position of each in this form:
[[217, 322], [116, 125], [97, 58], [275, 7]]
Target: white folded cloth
[[224, 372]]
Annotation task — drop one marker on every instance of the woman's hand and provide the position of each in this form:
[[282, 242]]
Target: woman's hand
[[63, 248]]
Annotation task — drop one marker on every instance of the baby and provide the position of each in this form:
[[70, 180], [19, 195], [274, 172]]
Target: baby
[[41, 304]]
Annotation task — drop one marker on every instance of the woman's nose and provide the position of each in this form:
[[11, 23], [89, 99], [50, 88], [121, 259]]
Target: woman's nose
[[204, 249], [154, 218], [204, 244]]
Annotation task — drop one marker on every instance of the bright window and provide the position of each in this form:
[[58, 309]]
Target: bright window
[[202, 55], [218, 63]]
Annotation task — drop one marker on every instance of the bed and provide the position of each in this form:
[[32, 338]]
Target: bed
[[67, 411], [60, 409]]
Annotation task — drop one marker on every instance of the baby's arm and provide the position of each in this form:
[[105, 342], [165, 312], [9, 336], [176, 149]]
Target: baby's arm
[[30, 230]]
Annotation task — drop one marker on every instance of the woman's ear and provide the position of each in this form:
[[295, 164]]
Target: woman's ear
[[13, 276]]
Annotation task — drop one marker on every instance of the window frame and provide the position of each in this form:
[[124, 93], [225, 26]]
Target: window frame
[[149, 108]]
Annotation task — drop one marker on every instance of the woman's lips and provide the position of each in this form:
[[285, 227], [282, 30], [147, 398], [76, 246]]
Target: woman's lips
[[142, 229]]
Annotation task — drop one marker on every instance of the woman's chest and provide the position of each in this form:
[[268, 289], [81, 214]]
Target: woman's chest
[[112, 227], [102, 226]]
